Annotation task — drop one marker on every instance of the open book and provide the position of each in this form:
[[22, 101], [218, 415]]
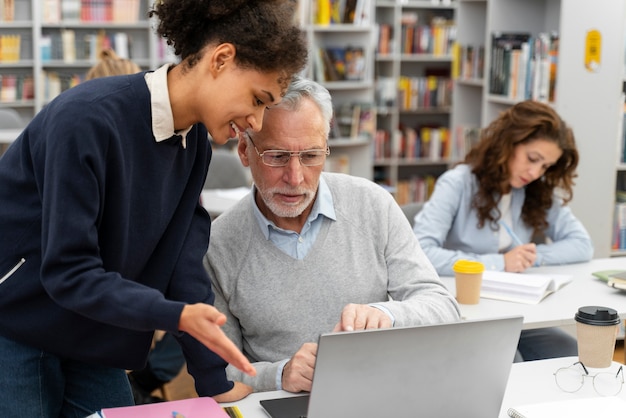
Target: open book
[[521, 287]]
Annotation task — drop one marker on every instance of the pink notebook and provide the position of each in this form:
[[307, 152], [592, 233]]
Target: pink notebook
[[204, 407]]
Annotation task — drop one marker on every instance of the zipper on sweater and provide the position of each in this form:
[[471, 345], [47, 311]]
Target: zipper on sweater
[[13, 270]]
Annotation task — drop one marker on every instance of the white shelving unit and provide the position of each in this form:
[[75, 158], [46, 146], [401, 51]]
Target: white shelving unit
[[396, 169], [357, 150], [144, 47], [588, 100]]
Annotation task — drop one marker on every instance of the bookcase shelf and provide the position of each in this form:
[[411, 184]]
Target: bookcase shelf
[[33, 20], [351, 83], [413, 67]]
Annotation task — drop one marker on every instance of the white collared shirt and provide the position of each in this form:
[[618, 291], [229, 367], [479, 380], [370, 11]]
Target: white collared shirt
[[161, 108]]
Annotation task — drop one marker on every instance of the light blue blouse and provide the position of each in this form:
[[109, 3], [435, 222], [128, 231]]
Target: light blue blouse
[[447, 228]]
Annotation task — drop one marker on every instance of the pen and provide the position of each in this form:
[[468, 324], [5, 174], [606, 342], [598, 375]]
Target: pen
[[508, 229]]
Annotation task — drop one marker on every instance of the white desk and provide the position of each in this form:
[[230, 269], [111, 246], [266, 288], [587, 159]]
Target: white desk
[[529, 382], [559, 308]]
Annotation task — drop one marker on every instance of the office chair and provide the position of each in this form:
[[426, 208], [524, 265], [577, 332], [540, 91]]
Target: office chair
[[10, 119], [226, 171], [411, 209]]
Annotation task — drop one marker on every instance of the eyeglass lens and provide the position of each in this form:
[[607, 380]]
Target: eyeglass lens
[[281, 158]]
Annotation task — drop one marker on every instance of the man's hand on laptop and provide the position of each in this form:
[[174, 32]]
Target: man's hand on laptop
[[358, 317], [298, 372]]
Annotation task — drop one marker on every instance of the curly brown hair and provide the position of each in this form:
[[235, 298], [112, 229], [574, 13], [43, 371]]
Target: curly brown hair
[[522, 123], [262, 31]]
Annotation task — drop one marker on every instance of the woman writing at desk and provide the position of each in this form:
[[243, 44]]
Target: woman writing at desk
[[510, 192]]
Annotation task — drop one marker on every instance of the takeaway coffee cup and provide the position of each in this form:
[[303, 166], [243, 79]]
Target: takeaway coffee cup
[[596, 330], [468, 277]]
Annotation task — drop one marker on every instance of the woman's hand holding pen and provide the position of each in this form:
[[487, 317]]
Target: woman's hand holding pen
[[520, 258], [203, 322]]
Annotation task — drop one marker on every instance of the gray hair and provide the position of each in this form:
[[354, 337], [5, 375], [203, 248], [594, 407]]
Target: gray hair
[[301, 88]]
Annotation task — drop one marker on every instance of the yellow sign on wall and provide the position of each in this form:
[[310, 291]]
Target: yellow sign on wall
[[593, 50]]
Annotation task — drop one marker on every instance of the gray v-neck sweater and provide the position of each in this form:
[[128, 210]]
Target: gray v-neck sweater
[[275, 303]]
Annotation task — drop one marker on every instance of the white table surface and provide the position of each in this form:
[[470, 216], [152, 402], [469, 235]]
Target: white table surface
[[559, 308], [529, 382]]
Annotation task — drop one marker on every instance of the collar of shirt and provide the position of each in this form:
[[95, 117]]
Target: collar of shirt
[[323, 205], [162, 117]]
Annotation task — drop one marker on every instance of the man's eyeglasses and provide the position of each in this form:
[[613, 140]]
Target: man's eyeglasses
[[572, 378], [280, 158]]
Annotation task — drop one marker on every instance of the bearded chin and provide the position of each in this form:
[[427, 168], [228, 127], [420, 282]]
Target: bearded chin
[[286, 210]]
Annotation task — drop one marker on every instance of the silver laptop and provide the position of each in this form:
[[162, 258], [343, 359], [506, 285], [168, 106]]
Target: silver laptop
[[446, 370]]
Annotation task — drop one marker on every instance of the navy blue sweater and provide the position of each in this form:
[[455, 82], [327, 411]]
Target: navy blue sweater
[[111, 230]]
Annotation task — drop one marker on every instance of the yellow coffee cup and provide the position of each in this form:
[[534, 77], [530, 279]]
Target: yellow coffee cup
[[468, 278]]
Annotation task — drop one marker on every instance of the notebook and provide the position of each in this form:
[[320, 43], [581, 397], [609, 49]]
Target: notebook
[[187, 408], [445, 370]]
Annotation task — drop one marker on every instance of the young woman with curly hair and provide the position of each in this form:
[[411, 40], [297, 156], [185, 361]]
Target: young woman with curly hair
[[102, 232], [518, 177]]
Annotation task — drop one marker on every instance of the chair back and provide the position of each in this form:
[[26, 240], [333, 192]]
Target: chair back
[[411, 210], [10, 119], [226, 171]]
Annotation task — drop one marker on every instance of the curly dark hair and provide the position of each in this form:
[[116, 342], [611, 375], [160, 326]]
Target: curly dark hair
[[522, 123], [262, 31]]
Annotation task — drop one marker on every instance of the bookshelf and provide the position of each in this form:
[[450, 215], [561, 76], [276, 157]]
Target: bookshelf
[[618, 242], [587, 98], [341, 56], [58, 43], [413, 69]]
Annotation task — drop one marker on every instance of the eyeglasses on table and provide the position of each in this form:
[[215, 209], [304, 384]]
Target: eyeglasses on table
[[571, 379]]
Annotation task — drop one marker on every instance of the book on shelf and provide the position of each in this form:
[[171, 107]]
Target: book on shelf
[[524, 66], [16, 87], [613, 278], [465, 137], [125, 11], [471, 61], [521, 287], [51, 11], [333, 12], [506, 46], [7, 10], [603, 406], [10, 47], [429, 91], [414, 189], [619, 224], [385, 38], [338, 63], [118, 11], [346, 121], [68, 39], [354, 120], [8, 88], [70, 10], [430, 34]]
